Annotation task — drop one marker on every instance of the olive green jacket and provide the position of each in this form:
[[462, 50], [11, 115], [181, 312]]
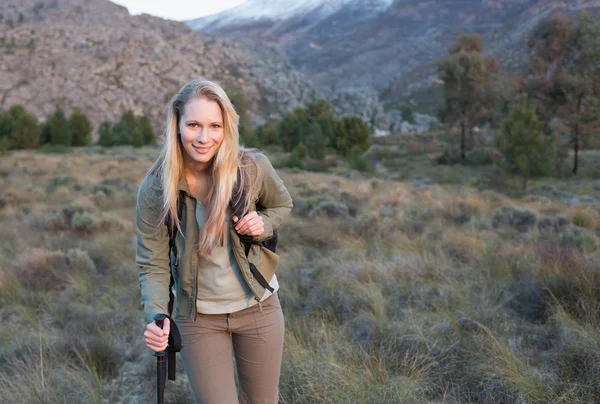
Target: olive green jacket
[[152, 252]]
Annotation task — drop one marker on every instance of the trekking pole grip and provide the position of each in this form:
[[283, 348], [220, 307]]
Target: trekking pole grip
[[159, 320]]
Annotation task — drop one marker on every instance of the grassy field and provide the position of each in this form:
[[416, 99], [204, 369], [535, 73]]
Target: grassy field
[[419, 283]]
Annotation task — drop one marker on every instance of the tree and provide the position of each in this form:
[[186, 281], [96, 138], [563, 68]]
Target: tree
[[407, 114], [565, 74], [467, 79], [321, 112], [522, 142], [356, 160], [81, 128], [268, 133], [58, 129], [145, 128], [351, 131], [122, 131], [105, 134], [242, 105], [137, 139], [316, 142], [19, 129], [291, 127]]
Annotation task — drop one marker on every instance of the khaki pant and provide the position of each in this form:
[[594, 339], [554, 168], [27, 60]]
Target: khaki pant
[[256, 339]]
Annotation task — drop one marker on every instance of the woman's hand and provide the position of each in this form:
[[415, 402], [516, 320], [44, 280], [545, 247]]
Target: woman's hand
[[157, 339], [252, 225]]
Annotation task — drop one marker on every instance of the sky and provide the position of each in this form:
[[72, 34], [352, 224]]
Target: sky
[[179, 10]]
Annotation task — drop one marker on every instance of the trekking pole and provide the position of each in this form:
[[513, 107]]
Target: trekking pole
[[161, 364]]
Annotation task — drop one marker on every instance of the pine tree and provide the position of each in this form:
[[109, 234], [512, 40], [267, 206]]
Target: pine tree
[[58, 129], [522, 142], [145, 127], [105, 134], [81, 128], [468, 78], [565, 83], [25, 129], [137, 139], [351, 131]]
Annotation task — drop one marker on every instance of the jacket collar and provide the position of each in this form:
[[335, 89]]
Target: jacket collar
[[183, 185]]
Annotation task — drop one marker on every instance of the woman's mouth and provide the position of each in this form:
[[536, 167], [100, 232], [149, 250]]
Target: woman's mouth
[[201, 150]]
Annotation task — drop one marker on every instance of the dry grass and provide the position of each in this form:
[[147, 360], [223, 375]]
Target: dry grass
[[417, 291]]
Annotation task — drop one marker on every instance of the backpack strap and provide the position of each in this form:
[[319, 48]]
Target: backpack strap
[[239, 196], [173, 248]]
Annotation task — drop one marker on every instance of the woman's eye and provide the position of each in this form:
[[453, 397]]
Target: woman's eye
[[216, 125], [192, 124]]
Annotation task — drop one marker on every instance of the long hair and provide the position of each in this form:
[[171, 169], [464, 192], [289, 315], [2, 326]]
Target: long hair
[[231, 160]]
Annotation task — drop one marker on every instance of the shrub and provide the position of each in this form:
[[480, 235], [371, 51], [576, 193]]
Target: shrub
[[511, 216], [351, 131], [482, 156], [356, 159], [58, 130], [526, 151], [81, 128], [19, 129]]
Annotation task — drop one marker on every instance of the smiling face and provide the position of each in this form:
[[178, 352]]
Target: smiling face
[[201, 132]]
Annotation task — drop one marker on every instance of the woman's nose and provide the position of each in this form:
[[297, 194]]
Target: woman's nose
[[202, 135]]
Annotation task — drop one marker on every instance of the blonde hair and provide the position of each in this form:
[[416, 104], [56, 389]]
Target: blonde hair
[[230, 159]]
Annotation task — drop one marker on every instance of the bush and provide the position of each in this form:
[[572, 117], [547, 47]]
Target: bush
[[483, 156], [522, 142], [517, 218], [351, 131], [356, 159], [57, 130], [81, 128], [19, 129], [105, 134]]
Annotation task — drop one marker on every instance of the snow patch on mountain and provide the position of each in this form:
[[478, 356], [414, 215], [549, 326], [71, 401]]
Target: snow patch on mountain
[[255, 10]]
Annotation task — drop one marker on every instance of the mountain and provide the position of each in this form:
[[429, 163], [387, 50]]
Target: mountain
[[383, 48], [93, 55]]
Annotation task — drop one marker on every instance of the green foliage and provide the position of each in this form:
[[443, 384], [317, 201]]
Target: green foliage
[[105, 134], [407, 114], [242, 106], [81, 128], [302, 124], [468, 81], [137, 139], [250, 138], [301, 150], [565, 60], [122, 132], [268, 134], [356, 159], [523, 145], [316, 141], [290, 128], [58, 130], [19, 129], [145, 127], [351, 131], [295, 161]]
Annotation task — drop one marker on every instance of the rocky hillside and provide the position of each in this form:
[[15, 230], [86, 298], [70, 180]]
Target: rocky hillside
[[92, 54], [385, 48]]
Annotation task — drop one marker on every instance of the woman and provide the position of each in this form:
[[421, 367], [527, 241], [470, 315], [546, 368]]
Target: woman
[[222, 307]]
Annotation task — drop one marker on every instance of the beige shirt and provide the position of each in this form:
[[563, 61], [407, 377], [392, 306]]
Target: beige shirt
[[221, 285]]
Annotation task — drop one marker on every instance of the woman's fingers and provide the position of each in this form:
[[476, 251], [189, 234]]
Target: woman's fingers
[[157, 339], [251, 224], [241, 224]]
